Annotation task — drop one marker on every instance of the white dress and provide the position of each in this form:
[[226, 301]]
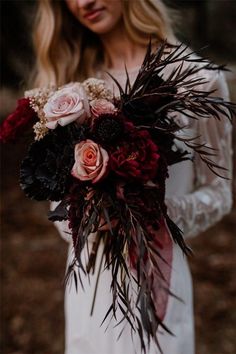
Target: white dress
[[196, 199]]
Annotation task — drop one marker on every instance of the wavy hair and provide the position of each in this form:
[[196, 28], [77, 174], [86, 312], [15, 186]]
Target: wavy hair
[[67, 51]]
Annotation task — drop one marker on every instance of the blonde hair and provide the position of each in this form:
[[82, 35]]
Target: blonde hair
[[67, 51]]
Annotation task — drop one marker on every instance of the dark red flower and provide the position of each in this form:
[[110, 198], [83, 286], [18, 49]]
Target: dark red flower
[[136, 158], [18, 121]]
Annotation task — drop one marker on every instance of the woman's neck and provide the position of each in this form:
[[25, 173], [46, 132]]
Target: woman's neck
[[121, 51]]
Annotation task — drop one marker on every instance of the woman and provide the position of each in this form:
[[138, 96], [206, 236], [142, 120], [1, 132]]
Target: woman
[[76, 39]]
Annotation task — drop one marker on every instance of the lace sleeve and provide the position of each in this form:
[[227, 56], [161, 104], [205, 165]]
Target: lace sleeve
[[212, 196]]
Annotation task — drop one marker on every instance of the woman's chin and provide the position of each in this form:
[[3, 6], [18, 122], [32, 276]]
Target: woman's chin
[[102, 27]]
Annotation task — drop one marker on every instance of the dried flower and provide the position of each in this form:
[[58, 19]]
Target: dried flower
[[96, 89], [40, 130], [38, 98]]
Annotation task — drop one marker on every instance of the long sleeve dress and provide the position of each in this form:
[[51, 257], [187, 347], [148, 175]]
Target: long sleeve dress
[[196, 199]]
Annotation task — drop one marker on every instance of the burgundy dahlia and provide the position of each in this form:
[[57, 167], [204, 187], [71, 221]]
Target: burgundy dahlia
[[136, 158], [17, 122]]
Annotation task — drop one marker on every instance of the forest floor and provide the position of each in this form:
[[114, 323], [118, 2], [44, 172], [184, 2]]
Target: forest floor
[[33, 259]]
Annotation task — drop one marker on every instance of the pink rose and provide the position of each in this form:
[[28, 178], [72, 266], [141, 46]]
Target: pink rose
[[66, 105], [91, 161], [101, 106]]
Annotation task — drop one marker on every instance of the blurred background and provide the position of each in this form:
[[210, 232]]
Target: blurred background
[[33, 256]]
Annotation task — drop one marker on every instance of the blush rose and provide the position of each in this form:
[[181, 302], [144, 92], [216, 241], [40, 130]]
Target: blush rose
[[101, 106], [91, 161], [66, 105]]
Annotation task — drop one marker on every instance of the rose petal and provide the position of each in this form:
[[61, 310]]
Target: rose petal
[[67, 120], [52, 124]]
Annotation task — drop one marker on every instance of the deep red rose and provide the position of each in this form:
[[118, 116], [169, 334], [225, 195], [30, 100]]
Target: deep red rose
[[18, 121], [136, 158]]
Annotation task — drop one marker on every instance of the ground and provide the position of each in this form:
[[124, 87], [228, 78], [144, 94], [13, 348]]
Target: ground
[[33, 265]]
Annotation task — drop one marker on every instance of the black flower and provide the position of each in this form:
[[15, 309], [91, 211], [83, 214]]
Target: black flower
[[107, 128], [45, 171]]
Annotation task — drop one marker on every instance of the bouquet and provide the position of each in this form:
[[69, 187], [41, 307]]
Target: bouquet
[[105, 160]]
